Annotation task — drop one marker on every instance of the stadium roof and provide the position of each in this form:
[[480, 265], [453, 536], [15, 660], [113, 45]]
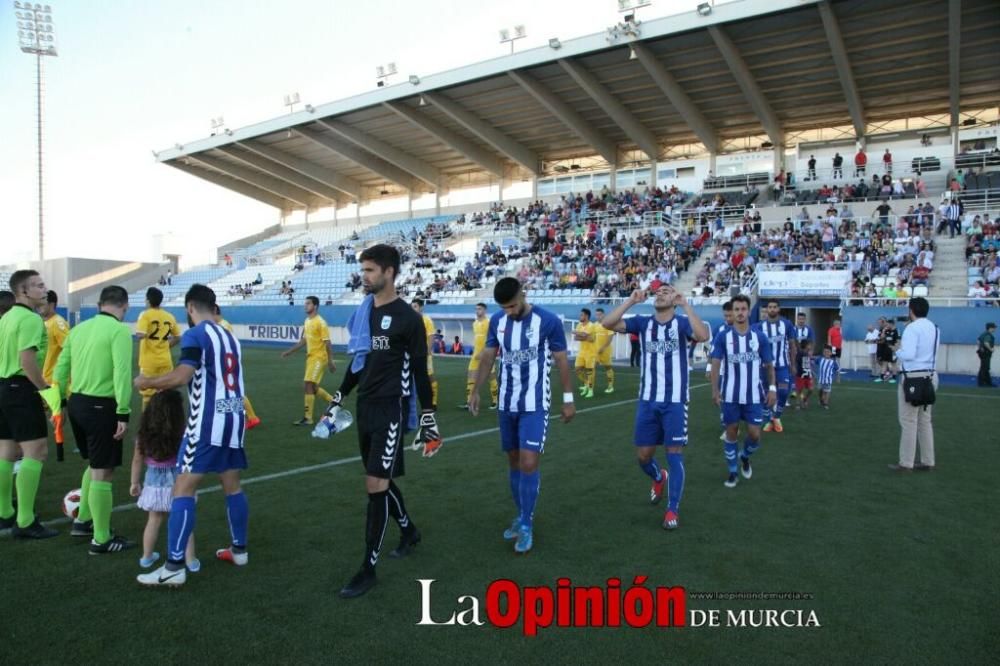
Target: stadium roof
[[749, 68]]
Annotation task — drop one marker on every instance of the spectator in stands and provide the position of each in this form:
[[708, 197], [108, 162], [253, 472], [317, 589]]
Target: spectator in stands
[[170, 275], [259, 279], [838, 162], [951, 218], [812, 168], [887, 161], [883, 210], [860, 160], [329, 299]]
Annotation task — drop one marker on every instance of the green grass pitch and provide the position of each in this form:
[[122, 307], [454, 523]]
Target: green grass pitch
[[902, 569]]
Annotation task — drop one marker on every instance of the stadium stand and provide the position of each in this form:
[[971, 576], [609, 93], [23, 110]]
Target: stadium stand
[[173, 293]]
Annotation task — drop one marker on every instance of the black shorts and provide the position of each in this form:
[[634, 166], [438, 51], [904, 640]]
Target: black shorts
[[884, 355], [22, 413], [381, 426], [94, 422]]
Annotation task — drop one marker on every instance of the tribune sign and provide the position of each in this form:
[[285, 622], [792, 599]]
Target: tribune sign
[[823, 284]]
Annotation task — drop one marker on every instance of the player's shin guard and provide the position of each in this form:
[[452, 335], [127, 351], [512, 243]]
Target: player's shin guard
[[322, 394], [651, 468], [609, 372], [101, 502], [378, 520], [397, 509], [238, 513], [469, 385], [83, 515], [581, 374], [6, 489], [767, 414], [515, 487], [180, 526], [749, 447], [732, 450], [529, 495], [310, 401], [675, 480], [590, 378], [494, 390], [27, 487], [779, 406]]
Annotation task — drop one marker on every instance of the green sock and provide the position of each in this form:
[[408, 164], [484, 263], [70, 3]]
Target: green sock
[[28, 478], [6, 488], [101, 500], [84, 513]]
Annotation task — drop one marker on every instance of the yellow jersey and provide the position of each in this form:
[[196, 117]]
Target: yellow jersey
[[57, 330], [587, 347], [602, 336], [479, 330], [225, 324], [158, 326], [317, 334], [429, 327]]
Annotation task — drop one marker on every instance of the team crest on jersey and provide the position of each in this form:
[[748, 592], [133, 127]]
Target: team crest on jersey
[[672, 334], [754, 345], [386, 321]]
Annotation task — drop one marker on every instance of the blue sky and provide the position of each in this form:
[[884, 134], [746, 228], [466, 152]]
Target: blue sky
[[136, 76]]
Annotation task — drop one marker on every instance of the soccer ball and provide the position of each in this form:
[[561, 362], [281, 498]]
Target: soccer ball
[[71, 504]]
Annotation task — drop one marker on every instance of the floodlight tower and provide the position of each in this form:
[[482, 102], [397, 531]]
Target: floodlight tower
[[506, 37], [36, 35]]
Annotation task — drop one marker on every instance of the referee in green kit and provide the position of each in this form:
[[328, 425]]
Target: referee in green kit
[[23, 427], [97, 359]]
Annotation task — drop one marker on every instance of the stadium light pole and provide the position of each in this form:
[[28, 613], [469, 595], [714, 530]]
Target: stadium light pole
[[291, 100], [507, 36], [36, 35]]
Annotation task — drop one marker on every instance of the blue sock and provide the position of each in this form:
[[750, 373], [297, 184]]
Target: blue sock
[[675, 480], [180, 525], [779, 406], [515, 487], [238, 512], [529, 495], [731, 449], [749, 446], [651, 468], [767, 415]]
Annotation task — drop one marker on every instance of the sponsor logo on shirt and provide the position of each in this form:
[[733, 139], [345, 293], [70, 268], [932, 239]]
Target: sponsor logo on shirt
[[380, 343], [229, 406], [520, 356]]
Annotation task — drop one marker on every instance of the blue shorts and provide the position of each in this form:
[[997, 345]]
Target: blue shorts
[[782, 375], [733, 412], [523, 430], [203, 457], [826, 388], [661, 423]]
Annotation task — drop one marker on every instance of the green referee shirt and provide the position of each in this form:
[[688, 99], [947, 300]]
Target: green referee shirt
[[98, 359], [986, 342], [20, 329]]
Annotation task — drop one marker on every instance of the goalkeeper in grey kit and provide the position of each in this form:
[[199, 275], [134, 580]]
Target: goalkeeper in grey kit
[[389, 364]]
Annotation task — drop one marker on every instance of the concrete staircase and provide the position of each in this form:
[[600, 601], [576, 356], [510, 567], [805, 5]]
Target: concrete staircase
[[950, 269]]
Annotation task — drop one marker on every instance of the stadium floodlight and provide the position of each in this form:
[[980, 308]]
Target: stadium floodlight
[[310, 108], [36, 36], [217, 124], [554, 43], [414, 79], [383, 72], [507, 37], [291, 100], [705, 8]]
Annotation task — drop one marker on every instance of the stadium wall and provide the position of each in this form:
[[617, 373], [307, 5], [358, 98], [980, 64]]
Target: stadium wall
[[282, 325]]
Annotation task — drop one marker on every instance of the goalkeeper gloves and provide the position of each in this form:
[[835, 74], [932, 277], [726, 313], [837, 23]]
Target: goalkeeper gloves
[[428, 435]]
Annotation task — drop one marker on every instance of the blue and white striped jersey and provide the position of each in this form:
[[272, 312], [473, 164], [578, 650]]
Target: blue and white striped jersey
[[526, 347], [779, 333], [827, 370], [215, 392], [803, 333], [743, 357], [664, 364]]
